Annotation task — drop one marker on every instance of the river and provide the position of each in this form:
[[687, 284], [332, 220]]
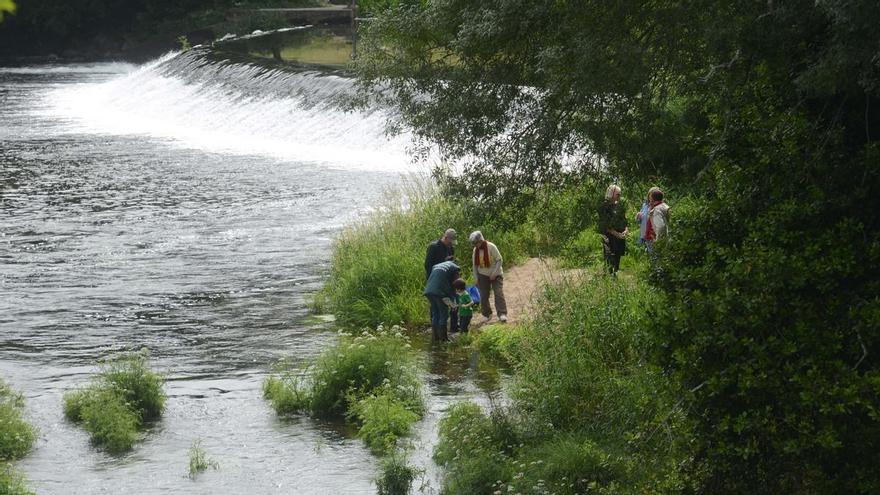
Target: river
[[186, 206]]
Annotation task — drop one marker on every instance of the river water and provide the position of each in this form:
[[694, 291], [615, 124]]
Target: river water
[[186, 206]]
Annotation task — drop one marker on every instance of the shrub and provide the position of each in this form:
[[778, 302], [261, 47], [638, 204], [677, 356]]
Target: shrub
[[17, 436], [396, 476], [11, 481], [114, 406], [198, 460], [383, 419]]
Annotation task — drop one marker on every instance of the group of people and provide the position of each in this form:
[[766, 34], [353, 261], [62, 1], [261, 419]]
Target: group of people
[[451, 303], [653, 219]]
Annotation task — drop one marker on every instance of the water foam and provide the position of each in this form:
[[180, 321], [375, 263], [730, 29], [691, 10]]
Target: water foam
[[189, 100]]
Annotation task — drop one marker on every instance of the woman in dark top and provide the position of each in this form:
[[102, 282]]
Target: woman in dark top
[[613, 227]]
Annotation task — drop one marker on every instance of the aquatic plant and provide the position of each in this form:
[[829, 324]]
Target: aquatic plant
[[110, 421], [199, 460], [17, 436], [396, 476], [114, 407], [383, 419], [371, 378]]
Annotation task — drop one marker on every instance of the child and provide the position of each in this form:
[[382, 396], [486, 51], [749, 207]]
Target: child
[[465, 305]]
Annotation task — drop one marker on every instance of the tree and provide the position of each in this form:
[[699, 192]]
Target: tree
[[767, 113]]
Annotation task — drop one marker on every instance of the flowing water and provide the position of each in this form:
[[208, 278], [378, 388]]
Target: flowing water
[[186, 206]]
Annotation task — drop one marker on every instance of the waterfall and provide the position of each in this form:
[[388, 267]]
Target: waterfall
[[196, 100]]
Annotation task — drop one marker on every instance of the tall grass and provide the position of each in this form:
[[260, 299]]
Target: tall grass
[[17, 438], [377, 267], [371, 378], [588, 413], [114, 407]]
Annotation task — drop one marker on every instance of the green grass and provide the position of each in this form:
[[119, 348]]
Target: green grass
[[383, 418], [114, 407], [11, 481], [377, 266], [17, 436], [199, 461], [499, 342], [396, 476], [372, 378], [588, 412]]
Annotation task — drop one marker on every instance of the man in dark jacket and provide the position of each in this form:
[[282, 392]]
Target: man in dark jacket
[[443, 249], [441, 296]]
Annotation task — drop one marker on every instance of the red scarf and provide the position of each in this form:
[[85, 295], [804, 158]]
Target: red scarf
[[484, 247]]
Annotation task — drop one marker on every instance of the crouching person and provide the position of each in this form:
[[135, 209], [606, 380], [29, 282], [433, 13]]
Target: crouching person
[[441, 297]]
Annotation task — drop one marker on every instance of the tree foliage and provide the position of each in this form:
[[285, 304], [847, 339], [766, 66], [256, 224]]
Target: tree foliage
[[768, 114]]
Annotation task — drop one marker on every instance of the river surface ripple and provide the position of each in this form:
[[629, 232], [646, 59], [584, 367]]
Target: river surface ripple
[[114, 242]]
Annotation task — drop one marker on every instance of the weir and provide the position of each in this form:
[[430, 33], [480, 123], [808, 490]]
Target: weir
[[201, 99]]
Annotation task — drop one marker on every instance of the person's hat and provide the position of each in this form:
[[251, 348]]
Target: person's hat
[[450, 234], [475, 237]]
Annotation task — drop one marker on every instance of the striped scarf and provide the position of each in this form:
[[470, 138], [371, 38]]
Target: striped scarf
[[484, 248]]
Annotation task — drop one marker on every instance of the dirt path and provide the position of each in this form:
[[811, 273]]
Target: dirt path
[[523, 283]]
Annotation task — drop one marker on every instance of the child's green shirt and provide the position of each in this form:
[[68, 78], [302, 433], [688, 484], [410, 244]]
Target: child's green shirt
[[464, 298]]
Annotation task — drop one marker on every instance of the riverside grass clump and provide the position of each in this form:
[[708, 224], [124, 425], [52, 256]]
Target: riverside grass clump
[[396, 476], [588, 412], [371, 378], [17, 438], [115, 406], [199, 461]]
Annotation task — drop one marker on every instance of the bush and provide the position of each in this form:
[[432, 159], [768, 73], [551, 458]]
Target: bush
[[396, 476], [17, 436], [115, 405]]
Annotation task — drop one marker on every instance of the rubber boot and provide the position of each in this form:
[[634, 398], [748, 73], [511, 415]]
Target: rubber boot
[[443, 336], [435, 333]]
